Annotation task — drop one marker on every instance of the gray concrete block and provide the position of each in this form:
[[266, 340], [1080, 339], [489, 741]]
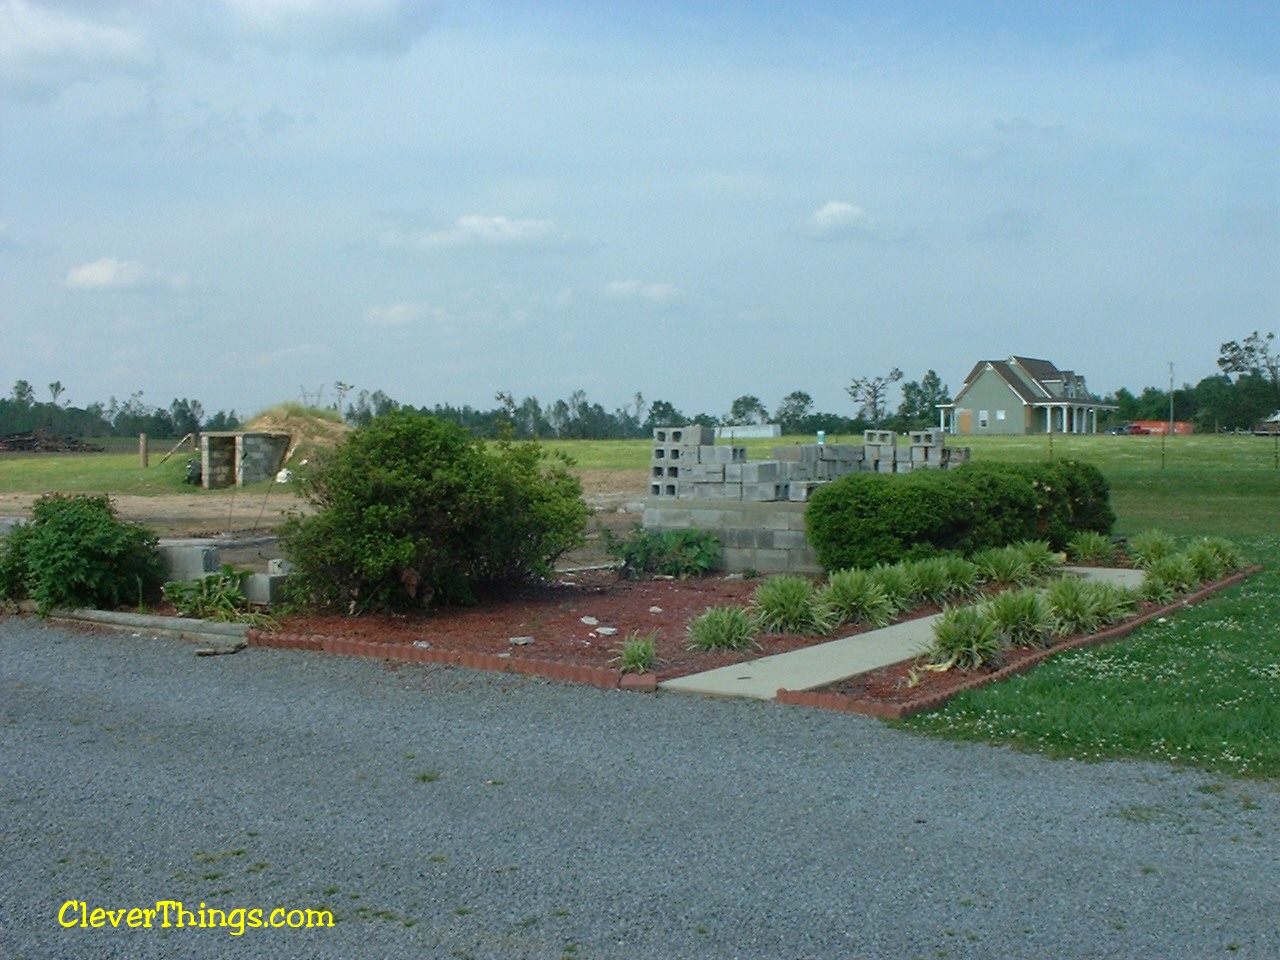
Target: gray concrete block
[[761, 471], [188, 561], [763, 492], [9, 523], [278, 565], [693, 434], [733, 472], [880, 438], [788, 453], [702, 472], [265, 588]]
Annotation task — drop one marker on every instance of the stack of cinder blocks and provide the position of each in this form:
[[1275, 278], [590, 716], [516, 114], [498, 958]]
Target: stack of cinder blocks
[[688, 464]]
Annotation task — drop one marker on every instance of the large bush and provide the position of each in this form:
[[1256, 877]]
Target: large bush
[[866, 519], [75, 552], [412, 511]]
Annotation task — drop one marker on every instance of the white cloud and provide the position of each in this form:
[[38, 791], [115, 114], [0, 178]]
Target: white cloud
[[400, 314], [112, 274], [44, 50], [657, 292], [330, 26], [476, 229], [838, 219]]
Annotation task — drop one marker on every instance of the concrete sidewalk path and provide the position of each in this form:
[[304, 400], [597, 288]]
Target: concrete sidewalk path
[[835, 660]]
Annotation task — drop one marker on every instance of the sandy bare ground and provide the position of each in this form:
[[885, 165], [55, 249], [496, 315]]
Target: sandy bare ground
[[612, 494]]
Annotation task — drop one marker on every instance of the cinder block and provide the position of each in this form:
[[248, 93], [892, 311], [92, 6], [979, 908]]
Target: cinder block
[[761, 471], [733, 472], [928, 438], [880, 438], [693, 435], [798, 470], [885, 466], [764, 492], [10, 523], [188, 561], [264, 588], [787, 453], [278, 565], [904, 466], [702, 472], [800, 491]]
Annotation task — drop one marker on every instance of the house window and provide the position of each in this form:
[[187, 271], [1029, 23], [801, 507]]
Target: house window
[[999, 414], [983, 417]]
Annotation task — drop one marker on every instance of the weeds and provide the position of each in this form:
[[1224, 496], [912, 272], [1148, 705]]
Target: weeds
[[638, 653]]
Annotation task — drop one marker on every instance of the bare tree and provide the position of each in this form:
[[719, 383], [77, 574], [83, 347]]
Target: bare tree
[[56, 390], [870, 394]]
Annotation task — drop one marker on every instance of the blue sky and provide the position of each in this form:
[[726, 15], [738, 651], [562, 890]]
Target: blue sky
[[238, 200]]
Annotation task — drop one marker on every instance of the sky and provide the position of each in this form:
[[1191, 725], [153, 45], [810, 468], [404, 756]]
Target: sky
[[244, 202]]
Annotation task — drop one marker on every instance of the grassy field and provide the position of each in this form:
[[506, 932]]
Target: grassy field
[[1201, 690]]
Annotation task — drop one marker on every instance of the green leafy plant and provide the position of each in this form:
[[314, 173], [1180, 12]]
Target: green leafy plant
[[1022, 617], [412, 511], [1114, 603], [966, 637], [1040, 556], [855, 596], [1211, 559], [790, 604], [75, 552], [1149, 546], [1090, 547], [219, 597], [962, 574], [638, 652], [669, 553], [722, 628], [930, 579]]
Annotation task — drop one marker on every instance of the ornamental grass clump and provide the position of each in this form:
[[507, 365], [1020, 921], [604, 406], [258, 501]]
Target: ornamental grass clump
[[966, 637], [963, 574], [1090, 547], [856, 596], [1023, 617], [790, 604], [1073, 605], [1213, 558], [638, 653], [1040, 556], [1114, 603], [930, 580], [1003, 565], [1172, 575], [897, 585], [722, 628], [1149, 546]]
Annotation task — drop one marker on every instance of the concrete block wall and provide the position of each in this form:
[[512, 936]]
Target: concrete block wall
[[764, 536], [240, 459]]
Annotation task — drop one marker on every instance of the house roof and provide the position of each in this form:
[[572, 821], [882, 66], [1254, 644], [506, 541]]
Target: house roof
[[1028, 378]]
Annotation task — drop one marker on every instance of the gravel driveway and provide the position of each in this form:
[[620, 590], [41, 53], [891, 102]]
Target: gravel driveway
[[444, 813]]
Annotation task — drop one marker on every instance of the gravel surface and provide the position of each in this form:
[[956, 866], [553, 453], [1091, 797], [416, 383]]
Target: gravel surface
[[444, 813]]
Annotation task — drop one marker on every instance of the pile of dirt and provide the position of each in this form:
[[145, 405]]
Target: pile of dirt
[[310, 431]]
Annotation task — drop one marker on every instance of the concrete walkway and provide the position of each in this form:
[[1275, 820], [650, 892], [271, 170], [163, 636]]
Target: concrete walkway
[[836, 660]]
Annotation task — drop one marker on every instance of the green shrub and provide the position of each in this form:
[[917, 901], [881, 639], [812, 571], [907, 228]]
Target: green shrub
[[1090, 547], [412, 511], [1228, 554], [722, 628], [671, 553], [1113, 602], [1041, 557], [1208, 561], [856, 596], [930, 579], [789, 604], [1023, 617], [638, 653], [963, 574], [75, 552], [966, 637], [865, 519]]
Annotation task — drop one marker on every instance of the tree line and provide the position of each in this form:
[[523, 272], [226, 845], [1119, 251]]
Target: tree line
[[1245, 390]]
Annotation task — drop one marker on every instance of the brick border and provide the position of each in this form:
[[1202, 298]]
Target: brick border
[[602, 677], [897, 711]]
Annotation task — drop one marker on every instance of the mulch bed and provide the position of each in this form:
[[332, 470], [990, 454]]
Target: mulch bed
[[547, 629]]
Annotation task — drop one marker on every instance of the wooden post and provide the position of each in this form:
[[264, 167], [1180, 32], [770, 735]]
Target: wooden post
[[142, 450]]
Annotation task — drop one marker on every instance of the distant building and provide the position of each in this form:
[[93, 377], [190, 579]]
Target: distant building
[[1021, 396]]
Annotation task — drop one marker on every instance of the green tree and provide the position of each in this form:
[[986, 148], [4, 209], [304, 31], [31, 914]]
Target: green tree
[[23, 394], [920, 401], [746, 410], [793, 411], [663, 414]]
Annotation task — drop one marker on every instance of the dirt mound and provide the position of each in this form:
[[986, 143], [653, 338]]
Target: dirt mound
[[310, 431]]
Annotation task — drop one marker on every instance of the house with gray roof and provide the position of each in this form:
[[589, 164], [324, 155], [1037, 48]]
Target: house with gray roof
[[1021, 395]]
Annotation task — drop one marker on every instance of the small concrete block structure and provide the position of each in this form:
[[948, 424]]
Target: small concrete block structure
[[240, 459], [766, 537], [264, 588], [188, 559]]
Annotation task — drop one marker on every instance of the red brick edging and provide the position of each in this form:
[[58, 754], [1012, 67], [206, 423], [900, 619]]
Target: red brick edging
[[572, 672], [896, 711]]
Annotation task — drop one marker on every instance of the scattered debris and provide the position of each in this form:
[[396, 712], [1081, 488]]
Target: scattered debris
[[423, 644], [606, 631], [520, 641], [655, 609], [222, 650], [590, 621], [42, 442]]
